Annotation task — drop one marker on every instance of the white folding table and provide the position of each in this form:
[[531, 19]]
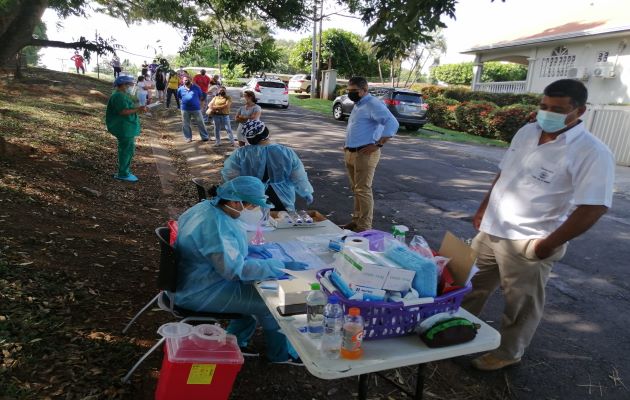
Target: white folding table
[[378, 355]]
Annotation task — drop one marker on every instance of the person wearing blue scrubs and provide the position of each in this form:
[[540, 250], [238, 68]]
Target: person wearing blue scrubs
[[273, 163], [215, 272]]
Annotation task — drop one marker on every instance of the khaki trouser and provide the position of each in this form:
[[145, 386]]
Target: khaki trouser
[[522, 276], [361, 169]]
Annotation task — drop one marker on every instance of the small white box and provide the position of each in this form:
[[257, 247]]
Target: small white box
[[293, 291], [359, 267], [398, 279]]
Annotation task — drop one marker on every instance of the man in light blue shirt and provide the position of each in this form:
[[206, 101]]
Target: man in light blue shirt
[[370, 126]]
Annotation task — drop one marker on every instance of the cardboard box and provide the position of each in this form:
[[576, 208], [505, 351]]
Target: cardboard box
[[293, 291], [462, 257]]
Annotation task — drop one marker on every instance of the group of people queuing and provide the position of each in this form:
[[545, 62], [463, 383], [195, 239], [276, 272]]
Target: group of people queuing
[[554, 183]]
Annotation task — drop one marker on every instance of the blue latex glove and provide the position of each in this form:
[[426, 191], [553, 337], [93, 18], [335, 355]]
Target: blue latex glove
[[295, 265], [309, 199], [259, 251]]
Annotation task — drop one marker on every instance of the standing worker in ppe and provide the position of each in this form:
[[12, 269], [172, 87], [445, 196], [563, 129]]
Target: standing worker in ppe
[[123, 122], [272, 163], [216, 274]]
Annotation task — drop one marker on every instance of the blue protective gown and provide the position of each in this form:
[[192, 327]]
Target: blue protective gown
[[286, 172], [215, 274]]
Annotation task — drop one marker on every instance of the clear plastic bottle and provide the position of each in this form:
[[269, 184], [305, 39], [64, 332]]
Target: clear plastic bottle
[[333, 328], [315, 302], [352, 335]]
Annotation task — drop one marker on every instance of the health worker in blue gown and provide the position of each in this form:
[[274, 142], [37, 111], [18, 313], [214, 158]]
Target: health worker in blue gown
[[276, 165], [217, 269]]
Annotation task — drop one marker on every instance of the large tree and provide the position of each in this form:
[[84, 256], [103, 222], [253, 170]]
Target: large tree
[[390, 21]]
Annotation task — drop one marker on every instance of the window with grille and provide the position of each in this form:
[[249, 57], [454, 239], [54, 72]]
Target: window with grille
[[557, 65]]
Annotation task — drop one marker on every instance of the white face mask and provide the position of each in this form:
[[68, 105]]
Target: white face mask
[[130, 89], [251, 217]]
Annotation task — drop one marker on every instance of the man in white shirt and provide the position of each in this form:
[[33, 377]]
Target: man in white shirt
[[555, 182]]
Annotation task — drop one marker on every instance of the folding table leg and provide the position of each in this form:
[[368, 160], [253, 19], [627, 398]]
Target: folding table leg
[[363, 386], [419, 382]]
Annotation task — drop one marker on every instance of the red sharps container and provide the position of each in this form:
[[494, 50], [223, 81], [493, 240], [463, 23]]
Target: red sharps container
[[200, 363]]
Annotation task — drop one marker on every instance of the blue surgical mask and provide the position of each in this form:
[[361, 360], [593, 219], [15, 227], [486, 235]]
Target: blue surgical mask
[[550, 121]]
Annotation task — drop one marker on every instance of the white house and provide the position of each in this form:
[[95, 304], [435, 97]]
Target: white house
[[594, 49]]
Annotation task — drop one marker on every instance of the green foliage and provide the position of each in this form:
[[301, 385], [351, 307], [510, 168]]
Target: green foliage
[[262, 57], [347, 52], [441, 112], [493, 71], [504, 122], [461, 94], [471, 117], [31, 53], [453, 74], [233, 73], [283, 66]]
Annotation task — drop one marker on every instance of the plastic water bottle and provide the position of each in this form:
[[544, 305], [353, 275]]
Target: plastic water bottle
[[352, 335], [315, 302], [333, 328]]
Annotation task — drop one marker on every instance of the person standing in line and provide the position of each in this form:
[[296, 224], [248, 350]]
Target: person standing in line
[[121, 118], [115, 63], [190, 94], [78, 62], [554, 183], [160, 83], [143, 91], [173, 85], [248, 112], [144, 69], [153, 69], [202, 80], [370, 126], [220, 110]]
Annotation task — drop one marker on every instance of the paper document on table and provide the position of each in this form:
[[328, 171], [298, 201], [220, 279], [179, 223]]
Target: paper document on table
[[300, 252], [308, 275]]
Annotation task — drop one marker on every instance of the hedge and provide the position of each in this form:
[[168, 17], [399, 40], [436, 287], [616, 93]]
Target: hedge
[[472, 117], [441, 112], [506, 121], [463, 93]]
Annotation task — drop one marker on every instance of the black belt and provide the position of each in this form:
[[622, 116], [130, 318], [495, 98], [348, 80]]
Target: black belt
[[355, 149]]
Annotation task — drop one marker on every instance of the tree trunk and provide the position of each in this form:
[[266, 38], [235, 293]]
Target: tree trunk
[[17, 25]]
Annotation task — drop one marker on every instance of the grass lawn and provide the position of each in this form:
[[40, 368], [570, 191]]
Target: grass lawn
[[323, 106]]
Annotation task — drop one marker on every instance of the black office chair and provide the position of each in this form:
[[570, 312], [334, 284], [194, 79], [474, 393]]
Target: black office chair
[[167, 283]]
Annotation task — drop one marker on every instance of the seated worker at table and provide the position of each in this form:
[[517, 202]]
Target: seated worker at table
[[275, 164], [215, 272]]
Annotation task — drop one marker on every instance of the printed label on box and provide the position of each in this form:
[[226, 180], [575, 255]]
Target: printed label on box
[[201, 374]]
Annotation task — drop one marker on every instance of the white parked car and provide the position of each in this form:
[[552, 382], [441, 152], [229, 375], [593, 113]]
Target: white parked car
[[269, 91], [300, 83]]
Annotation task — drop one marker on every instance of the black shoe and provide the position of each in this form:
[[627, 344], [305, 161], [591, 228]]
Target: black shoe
[[351, 226], [249, 352]]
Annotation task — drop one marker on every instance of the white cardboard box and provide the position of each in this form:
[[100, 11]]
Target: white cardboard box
[[362, 268], [293, 291]]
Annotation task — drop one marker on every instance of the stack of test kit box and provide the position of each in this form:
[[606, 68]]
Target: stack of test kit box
[[363, 268]]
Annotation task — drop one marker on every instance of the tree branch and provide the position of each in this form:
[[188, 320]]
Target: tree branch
[[63, 45]]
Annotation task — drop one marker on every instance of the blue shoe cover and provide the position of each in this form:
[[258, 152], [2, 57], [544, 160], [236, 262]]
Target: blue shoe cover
[[128, 178]]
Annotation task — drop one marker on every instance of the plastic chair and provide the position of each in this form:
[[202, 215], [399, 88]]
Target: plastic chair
[[202, 194], [167, 283]]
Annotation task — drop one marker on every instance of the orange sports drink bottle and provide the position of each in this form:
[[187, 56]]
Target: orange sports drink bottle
[[352, 335]]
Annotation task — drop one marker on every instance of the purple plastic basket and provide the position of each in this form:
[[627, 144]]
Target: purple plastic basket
[[386, 319]]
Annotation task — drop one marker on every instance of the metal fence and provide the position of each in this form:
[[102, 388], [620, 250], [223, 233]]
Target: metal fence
[[611, 124], [501, 87]]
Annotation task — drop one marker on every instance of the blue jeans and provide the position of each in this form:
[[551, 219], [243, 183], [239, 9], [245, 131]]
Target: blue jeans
[[186, 115], [251, 304], [222, 122]]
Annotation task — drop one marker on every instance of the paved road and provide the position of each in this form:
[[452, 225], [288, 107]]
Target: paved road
[[434, 186]]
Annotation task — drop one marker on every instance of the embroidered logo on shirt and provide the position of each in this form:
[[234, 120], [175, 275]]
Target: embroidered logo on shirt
[[544, 175]]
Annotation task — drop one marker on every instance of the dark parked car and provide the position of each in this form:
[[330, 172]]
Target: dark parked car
[[406, 105]]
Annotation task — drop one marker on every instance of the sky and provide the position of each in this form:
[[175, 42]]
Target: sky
[[477, 22]]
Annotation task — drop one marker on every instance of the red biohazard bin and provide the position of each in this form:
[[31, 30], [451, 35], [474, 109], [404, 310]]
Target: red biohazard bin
[[200, 363]]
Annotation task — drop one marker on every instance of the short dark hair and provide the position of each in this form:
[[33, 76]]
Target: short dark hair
[[568, 88], [140, 78], [251, 94], [359, 81]]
